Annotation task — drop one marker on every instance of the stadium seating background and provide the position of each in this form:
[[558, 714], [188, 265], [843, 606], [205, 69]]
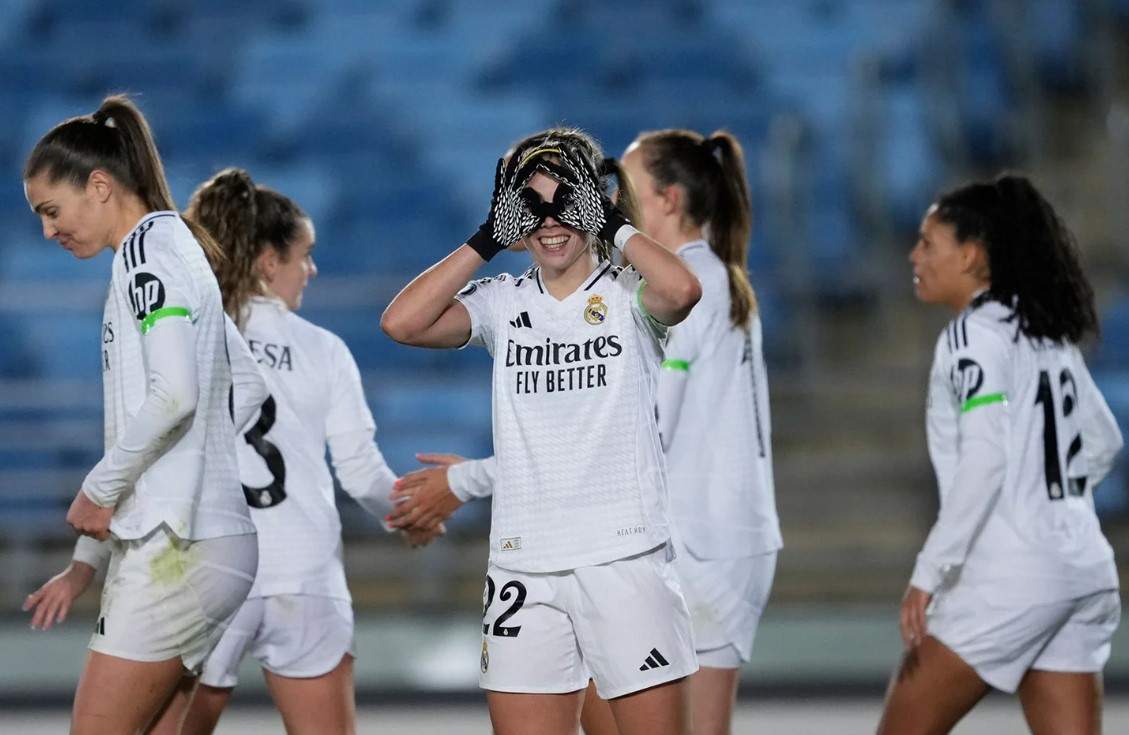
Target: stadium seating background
[[383, 120]]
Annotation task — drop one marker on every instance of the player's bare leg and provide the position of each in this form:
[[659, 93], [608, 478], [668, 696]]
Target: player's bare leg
[[930, 692], [596, 717], [660, 710], [1062, 702], [208, 703], [116, 695], [169, 720], [713, 693], [318, 704], [545, 714]]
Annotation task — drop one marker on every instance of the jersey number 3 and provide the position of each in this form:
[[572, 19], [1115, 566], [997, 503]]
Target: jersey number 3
[[1052, 465], [274, 493]]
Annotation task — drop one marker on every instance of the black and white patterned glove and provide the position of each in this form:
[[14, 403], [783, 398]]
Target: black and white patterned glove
[[509, 219], [591, 209]]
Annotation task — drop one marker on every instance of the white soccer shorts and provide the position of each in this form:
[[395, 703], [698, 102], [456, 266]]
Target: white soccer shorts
[[1004, 642], [726, 598], [166, 597], [624, 624], [296, 636]]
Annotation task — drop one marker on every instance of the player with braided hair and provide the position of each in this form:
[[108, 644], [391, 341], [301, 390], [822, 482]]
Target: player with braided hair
[[1015, 587], [579, 581]]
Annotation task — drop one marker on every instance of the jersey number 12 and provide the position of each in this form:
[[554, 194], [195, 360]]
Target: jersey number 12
[[1052, 466]]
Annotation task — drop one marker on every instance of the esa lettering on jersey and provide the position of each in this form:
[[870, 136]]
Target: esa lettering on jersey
[[146, 294], [550, 356], [967, 378], [272, 355]]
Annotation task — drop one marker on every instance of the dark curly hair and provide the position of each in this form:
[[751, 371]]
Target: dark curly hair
[[1032, 255]]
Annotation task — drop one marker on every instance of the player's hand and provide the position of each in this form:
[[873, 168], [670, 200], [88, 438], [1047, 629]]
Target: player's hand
[[417, 537], [423, 499], [509, 219], [88, 518], [51, 602], [593, 210], [912, 621]]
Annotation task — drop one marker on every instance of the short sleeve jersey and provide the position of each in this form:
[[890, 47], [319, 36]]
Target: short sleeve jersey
[[719, 457], [315, 392], [160, 272], [1034, 401], [580, 477]]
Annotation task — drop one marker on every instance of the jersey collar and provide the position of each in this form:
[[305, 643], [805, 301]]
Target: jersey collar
[[692, 245], [602, 269]]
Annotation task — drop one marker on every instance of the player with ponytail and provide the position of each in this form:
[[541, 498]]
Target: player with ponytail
[[297, 621], [1016, 587], [165, 501]]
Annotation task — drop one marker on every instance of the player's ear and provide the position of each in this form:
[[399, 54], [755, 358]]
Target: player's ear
[[100, 185], [974, 258], [672, 197], [267, 263]]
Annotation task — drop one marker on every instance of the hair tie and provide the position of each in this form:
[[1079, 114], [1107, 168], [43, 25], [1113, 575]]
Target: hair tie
[[101, 118], [712, 145]]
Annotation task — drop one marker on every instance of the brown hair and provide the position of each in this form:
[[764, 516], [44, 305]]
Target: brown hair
[[116, 139], [586, 146], [245, 218], [712, 173]]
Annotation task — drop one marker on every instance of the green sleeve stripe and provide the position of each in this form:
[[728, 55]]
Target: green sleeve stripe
[[680, 365], [979, 401], [148, 322]]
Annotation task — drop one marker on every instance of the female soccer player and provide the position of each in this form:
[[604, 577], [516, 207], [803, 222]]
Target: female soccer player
[[1015, 587], [579, 579], [712, 410], [298, 618], [167, 490]]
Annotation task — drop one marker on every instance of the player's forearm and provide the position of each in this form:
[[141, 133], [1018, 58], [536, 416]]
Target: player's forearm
[[472, 479], [420, 305], [170, 350], [1101, 441], [362, 471], [964, 511], [672, 288], [249, 390]]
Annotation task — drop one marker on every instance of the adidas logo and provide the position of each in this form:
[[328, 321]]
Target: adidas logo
[[521, 321], [100, 626], [654, 661]]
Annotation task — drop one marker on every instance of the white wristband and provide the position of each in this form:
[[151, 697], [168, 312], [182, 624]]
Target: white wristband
[[623, 234]]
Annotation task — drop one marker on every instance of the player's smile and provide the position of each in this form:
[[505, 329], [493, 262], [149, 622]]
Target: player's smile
[[553, 245]]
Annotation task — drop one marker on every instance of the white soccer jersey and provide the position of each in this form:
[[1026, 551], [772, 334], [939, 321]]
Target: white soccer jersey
[[189, 481], [580, 477], [713, 408], [1019, 436], [316, 398]]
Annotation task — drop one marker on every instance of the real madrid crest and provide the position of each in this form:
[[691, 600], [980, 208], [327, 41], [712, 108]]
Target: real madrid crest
[[485, 657], [596, 311]]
